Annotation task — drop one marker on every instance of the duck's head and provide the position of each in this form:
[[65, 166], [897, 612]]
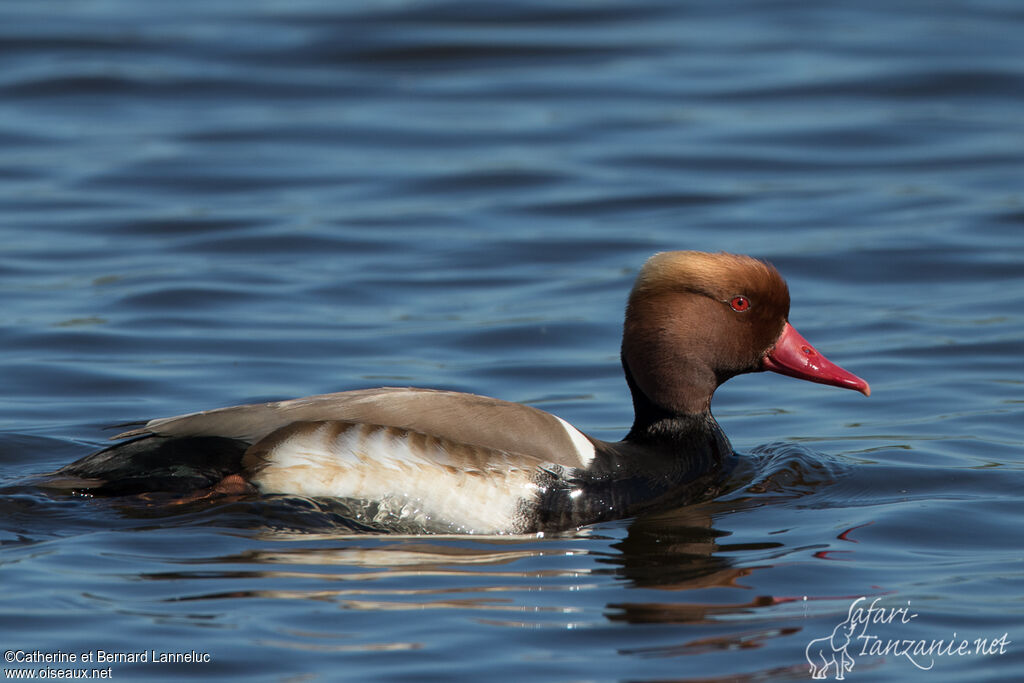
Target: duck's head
[[695, 319]]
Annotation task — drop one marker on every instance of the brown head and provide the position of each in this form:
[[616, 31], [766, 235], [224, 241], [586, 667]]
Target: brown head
[[696, 319]]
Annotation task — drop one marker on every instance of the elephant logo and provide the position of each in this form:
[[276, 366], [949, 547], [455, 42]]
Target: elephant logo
[[830, 651]]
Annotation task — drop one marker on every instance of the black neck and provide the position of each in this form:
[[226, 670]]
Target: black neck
[[653, 424], [664, 462]]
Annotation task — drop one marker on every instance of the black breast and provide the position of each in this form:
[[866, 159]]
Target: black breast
[[671, 465]]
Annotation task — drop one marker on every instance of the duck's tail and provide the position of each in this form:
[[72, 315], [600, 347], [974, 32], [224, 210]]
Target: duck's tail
[[151, 464]]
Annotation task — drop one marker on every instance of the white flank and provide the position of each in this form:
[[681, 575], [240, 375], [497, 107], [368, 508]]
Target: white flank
[[405, 484], [584, 449]]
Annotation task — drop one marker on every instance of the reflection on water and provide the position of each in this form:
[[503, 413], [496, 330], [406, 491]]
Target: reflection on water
[[705, 568], [310, 543]]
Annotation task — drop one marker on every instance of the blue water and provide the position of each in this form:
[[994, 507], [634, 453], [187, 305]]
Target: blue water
[[206, 203]]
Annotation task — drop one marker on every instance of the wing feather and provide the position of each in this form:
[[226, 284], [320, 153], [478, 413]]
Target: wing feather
[[456, 417]]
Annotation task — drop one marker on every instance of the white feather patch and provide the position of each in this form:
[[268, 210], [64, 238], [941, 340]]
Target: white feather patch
[[399, 482], [584, 448]]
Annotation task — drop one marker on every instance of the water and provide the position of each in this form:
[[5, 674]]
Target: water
[[213, 203]]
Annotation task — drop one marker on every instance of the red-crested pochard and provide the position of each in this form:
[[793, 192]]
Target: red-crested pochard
[[440, 461]]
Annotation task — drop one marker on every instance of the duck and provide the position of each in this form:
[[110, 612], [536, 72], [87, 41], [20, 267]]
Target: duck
[[458, 463]]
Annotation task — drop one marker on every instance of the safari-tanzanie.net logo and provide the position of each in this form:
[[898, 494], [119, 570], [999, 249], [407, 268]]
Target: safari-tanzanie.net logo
[[878, 632]]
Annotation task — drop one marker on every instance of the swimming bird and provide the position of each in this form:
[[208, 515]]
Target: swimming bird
[[449, 462]]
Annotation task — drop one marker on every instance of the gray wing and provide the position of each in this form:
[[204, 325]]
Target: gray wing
[[452, 416]]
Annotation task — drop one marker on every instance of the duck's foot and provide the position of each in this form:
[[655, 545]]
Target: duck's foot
[[231, 486]]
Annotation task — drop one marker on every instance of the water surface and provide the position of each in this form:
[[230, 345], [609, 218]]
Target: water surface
[[216, 203]]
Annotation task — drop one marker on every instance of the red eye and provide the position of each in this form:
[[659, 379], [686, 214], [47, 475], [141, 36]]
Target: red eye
[[740, 303]]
